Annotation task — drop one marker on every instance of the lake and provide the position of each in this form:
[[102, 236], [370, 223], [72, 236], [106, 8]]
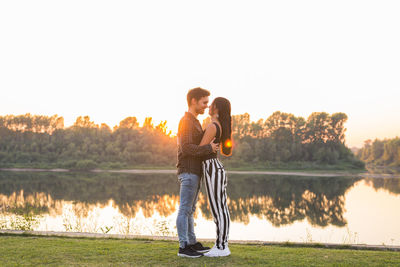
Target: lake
[[343, 210]]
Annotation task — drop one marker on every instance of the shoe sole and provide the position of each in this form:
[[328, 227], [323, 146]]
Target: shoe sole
[[203, 251], [216, 256], [188, 256]]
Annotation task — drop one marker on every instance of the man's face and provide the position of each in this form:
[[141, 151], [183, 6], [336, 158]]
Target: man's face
[[201, 105]]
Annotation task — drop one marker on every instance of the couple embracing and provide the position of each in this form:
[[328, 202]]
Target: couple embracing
[[197, 158]]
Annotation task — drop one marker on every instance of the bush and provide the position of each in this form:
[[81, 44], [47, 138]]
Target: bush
[[115, 165], [358, 164], [23, 157], [3, 157], [69, 164], [85, 165]]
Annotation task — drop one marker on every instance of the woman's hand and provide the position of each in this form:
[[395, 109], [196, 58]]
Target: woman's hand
[[214, 147]]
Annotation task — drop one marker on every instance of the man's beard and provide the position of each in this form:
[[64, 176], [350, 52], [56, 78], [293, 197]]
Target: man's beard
[[200, 111]]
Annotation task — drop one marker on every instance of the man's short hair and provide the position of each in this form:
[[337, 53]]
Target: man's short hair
[[196, 93]]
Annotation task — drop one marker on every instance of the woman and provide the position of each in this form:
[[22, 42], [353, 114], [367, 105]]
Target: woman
[[219, 131]]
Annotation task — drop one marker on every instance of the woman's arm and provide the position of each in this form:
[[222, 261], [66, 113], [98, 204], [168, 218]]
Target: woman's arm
[[209, 135]]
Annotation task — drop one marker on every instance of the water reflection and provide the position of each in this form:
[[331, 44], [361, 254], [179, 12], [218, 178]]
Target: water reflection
[[388, 184], [147, 203], [281, 200]]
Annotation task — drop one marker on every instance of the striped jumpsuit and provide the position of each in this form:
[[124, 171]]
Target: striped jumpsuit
[[216, 181]]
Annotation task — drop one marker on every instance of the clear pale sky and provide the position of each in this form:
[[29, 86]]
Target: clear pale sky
[[114, 59]]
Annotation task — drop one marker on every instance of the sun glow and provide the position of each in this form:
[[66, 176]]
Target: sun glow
[[228, 143]]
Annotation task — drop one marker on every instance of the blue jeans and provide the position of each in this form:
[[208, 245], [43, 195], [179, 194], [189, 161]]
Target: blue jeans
[[190, 186]]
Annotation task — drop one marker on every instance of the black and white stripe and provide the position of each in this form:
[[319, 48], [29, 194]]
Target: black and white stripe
[[216, 182]]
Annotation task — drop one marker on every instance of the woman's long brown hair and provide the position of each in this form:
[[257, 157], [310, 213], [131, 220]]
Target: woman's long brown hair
[[224, 116]]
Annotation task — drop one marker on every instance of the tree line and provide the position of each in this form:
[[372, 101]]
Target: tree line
[[280, 140], [32, 140], [283, 139], [381, 152]]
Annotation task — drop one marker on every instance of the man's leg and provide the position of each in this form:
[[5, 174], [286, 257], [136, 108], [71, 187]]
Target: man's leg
[[191, 235], [188, 191]]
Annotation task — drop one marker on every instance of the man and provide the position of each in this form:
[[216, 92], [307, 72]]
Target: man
[[189, 167]]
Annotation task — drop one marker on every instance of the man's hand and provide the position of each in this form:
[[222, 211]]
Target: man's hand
[[214, 147]]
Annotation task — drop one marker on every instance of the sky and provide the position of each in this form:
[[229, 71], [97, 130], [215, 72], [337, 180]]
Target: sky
[[114, 59]]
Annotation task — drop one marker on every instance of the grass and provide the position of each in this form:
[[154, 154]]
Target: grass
[[59, 251]]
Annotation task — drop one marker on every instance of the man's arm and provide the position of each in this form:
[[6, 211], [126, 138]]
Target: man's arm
[[185, 141]]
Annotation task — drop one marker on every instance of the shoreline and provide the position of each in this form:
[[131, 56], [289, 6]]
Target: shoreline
[[173, 238], [169, 171]]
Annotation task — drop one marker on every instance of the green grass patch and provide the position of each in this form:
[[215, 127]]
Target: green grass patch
[[57, 251]]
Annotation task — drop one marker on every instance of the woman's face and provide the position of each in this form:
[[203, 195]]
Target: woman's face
[[212, 110]]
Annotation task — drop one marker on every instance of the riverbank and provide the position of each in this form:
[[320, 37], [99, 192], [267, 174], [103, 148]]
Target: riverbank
[[232, 166], [311, 173], [67, 251]]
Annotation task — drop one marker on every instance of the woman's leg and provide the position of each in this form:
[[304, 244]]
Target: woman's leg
[[224, 206], [216, 182]]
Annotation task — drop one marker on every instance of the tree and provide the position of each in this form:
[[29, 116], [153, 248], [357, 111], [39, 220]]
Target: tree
[[129, 123], [85, 122]]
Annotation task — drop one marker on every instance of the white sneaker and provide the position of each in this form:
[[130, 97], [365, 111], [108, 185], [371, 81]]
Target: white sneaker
[[216, 252]]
